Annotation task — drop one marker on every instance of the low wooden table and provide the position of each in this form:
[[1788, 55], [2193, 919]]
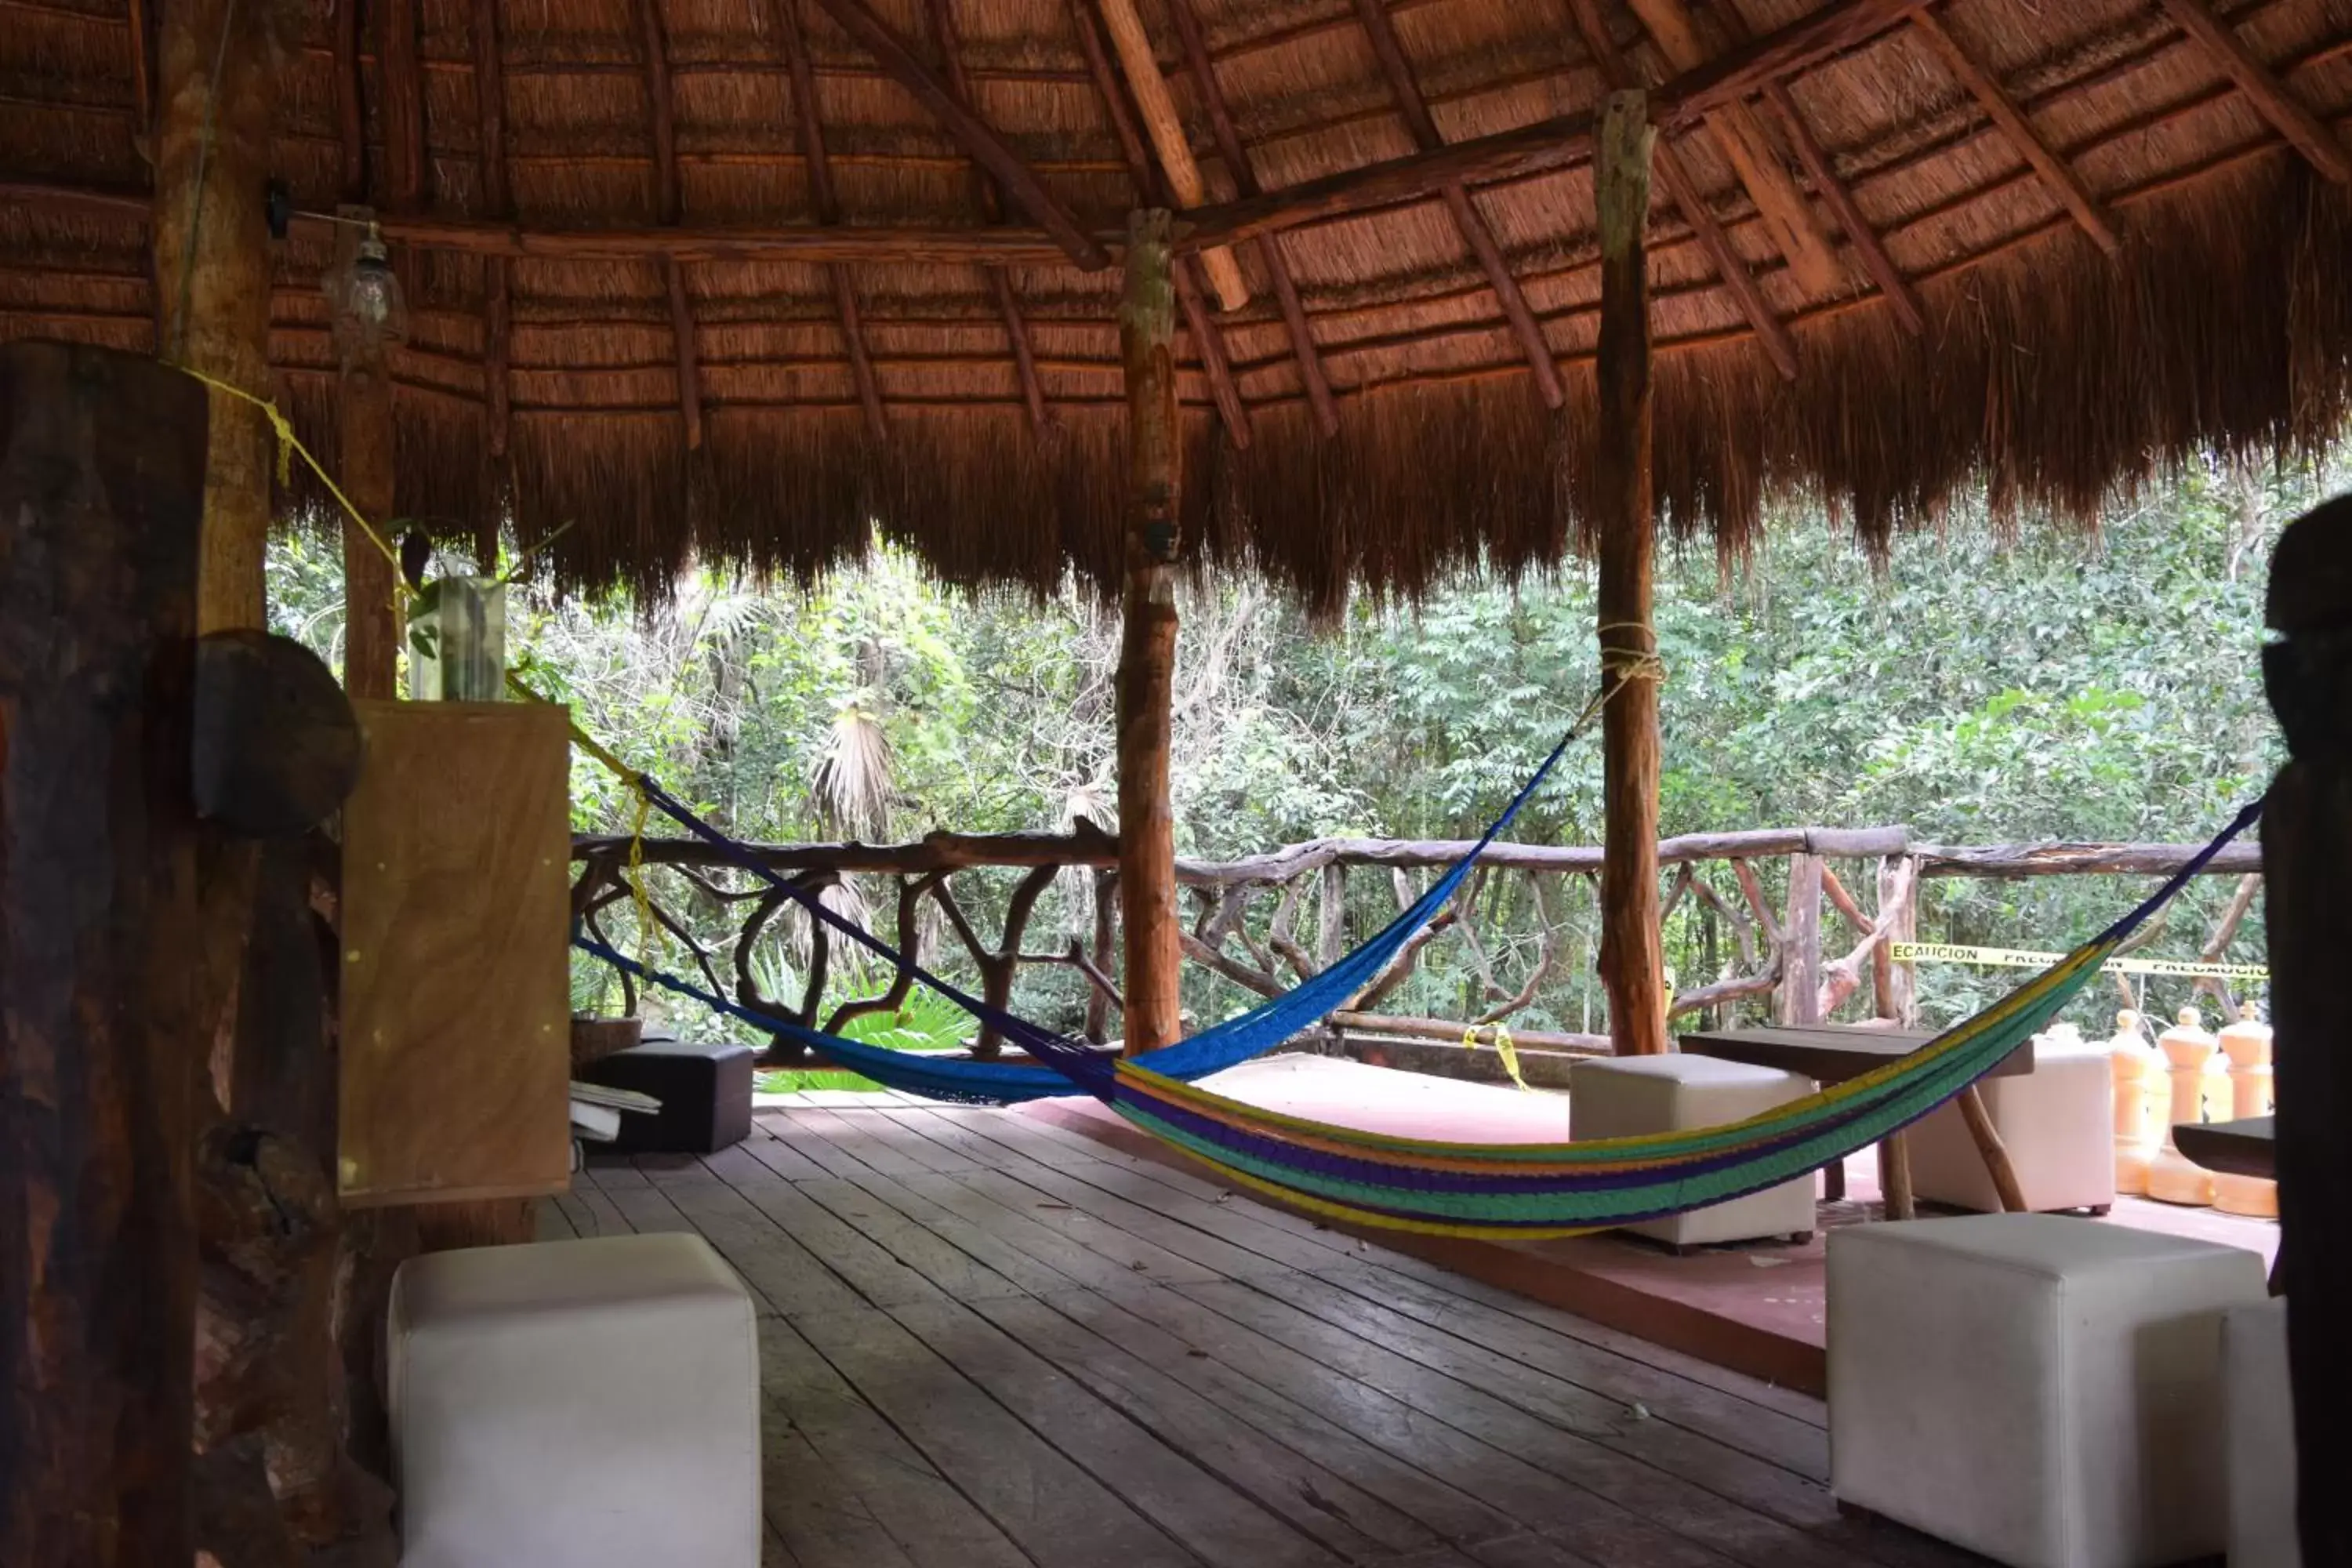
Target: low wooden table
[[1833, 1053], [2246, 1148]]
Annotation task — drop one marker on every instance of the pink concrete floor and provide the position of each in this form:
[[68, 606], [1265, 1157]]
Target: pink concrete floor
[[1773, 1289]]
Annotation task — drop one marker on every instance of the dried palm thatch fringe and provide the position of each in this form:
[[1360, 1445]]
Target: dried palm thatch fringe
[[2051, 377]]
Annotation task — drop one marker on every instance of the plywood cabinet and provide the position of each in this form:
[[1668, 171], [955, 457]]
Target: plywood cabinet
[[455, 992]]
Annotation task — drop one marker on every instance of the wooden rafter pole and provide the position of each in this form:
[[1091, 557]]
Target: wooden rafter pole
[[1147, 660], [404, 106], [654, 40], [141, 30], [351, 118], [1618, 72], [828, 207], [992, 201], [1632, 967], [498, 305], [1740, 134], [2003, 111], [1468, 221], [220, 64], [1208, 338], [366, 445], [977, 137], [1311, 373], [1867, 248], [2262, 88], [1140, 64], [1551, 143]]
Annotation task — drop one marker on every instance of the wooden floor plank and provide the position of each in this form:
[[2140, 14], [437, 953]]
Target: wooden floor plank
[[550, 1223], [1793, 1403], [982, 1245], [811, 1511], [1056, 1512], [928, 1518], [875, 1137], [1627, 1426], [1024, 1228], [777, 1146], [958, 1273], [1767, 1433], [1591, 1525], [1247, 1388], [877, 1275], [1178, 1237], [1348, 1520], [1143, 1258], [1223, 1527], [1674, 1502]]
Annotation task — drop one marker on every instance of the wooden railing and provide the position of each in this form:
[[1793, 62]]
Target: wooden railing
[[1766, 907]]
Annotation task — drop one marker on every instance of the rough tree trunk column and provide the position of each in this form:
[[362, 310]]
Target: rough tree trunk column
[[370, 628], [213, 266], [1633, 968], [1147, 656], [102, 961], [2307, 855]]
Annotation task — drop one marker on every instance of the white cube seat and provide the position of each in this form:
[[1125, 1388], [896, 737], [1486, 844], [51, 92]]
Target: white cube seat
[[593, 1403], [1618, 1096], [2041, 1389], [2057, 1123], [2258, 1413]]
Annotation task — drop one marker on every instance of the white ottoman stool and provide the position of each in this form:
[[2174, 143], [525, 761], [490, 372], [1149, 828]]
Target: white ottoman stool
[[2258, 1415], [592, 1403], [2041, 1389], [2058, 1124], [1615, 1096]]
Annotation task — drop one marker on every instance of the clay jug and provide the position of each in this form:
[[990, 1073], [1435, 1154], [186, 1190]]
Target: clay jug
[[2246, 1045], [2172, 1177], [2133, 1062]]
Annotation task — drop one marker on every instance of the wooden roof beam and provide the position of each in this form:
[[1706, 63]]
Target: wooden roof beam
[[2262, 88], [1867, 247], [826, 202], [992, 202], [350, 126], [1788, 218], [2004, 112], [403, 107], [1618, 72], [1277, 265], [977, 136], [665, 126], [1468, 220], [1551, 143], [1141, 68], [1208, 339], [498, 305], [142, 25]]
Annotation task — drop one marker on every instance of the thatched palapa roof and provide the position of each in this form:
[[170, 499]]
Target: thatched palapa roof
[[722, 278]]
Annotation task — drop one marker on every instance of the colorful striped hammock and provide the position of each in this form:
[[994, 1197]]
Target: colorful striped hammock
[[1519, 1192]]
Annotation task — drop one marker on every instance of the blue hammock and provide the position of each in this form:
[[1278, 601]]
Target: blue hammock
[[1235, 1040]]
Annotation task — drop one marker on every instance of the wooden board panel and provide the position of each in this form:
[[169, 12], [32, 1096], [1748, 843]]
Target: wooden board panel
[[455, 991]]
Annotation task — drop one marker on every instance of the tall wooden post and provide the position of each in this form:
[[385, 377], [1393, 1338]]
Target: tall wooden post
[[219, 78], [1800, 953], [102, 954], [2307, 855], [1632, 967], [371, 626], [1147, 654]]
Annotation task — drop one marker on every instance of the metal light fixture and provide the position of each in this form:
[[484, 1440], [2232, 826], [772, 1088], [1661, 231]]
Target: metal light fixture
[[370, 312]]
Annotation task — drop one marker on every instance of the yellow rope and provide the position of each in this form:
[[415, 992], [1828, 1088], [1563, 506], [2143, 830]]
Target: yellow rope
[[289, 446]]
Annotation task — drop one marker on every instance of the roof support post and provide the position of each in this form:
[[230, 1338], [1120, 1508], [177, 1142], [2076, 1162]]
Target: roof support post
[[101, 481], [2307, 852], [1147, 654], [365, 451], [220, 65], [1141, 66], [1632, 966]]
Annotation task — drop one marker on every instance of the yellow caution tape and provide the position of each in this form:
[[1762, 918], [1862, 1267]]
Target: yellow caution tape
[[2022, 957], [1503, 1048]]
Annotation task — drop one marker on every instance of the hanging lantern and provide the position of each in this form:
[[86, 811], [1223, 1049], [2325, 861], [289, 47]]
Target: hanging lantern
[[370, 312]]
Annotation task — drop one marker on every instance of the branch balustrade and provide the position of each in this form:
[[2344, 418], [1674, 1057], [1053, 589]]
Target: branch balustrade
[[1779, 895]]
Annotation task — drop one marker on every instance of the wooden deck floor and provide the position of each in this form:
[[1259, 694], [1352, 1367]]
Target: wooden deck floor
[[987, 1340]]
